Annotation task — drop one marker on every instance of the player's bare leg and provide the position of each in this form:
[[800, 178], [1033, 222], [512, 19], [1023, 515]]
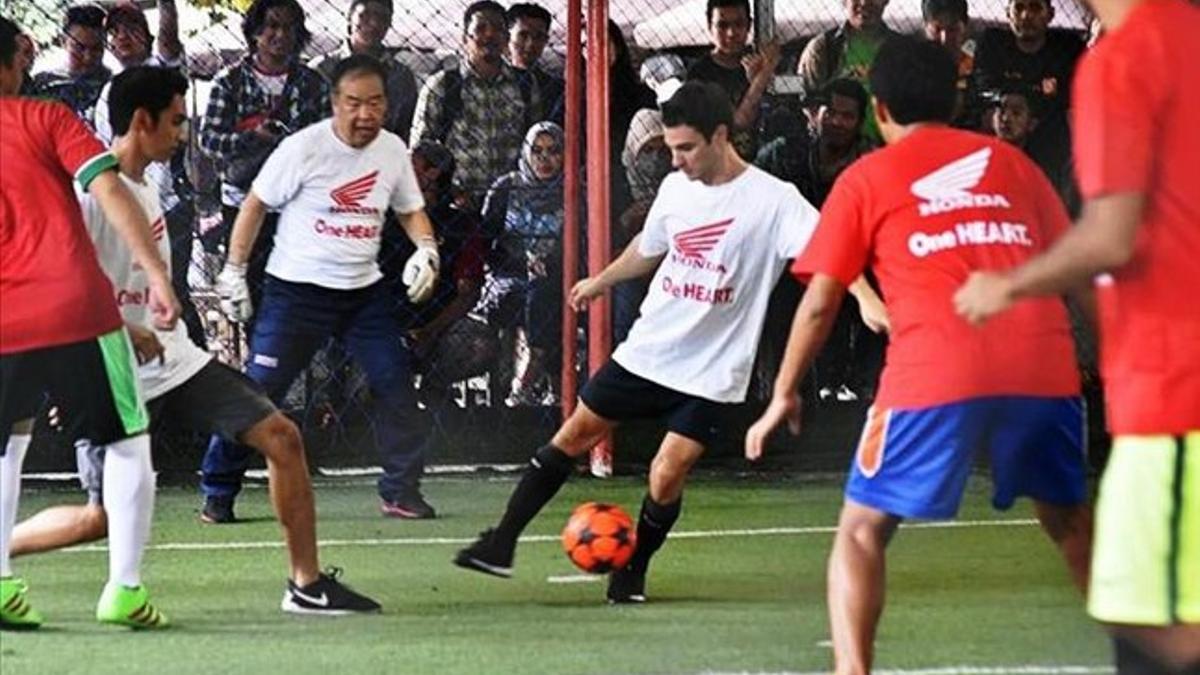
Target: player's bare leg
[[857, 583], [1070, 528], [1175, 649], [660, 509], [58, 527], [279, 441], [492, 553]]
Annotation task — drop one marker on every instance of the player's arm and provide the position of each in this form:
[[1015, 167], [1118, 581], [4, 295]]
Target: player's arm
[[231, 282], [129, 220], [870, 306], [813, 321], [631, 264], [1102, 241]]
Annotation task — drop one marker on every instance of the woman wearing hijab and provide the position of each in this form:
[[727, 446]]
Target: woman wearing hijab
[[523, 215]]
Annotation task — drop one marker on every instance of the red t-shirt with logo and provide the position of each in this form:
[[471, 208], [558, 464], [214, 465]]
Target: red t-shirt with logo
[[923, 214], [52, 290], [1136, 130]]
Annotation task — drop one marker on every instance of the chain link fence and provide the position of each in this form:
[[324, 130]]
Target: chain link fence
[[480, 98]]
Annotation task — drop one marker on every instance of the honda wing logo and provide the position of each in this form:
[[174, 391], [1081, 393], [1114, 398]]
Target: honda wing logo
[[949, 188], [349, 197], [696, 242]]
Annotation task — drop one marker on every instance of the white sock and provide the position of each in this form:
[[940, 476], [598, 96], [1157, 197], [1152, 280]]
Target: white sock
[[129, 501], [10, 492]]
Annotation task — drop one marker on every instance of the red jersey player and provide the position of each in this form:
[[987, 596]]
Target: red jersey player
[[1137, 146], [923, 213], [61, 334]]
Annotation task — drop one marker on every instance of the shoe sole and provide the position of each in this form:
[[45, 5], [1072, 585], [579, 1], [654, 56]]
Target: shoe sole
[[292, 608], [629, 600], [476, 565], [403, 514], [8, 625], [209, 520]]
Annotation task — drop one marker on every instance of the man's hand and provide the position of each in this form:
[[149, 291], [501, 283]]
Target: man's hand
[[421, 272], [874, 315], [984, 295], [763, 63], [164, 306], [234, 293], [781, 409], [145, 344], [583, 292]]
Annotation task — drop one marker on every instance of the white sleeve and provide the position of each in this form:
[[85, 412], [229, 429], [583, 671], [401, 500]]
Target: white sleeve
[[795, 224], [654, 240], [281, 176], [406, 193], [93, 216], [100, 116]]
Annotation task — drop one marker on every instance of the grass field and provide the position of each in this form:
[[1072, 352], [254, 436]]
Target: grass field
[[741, 589]]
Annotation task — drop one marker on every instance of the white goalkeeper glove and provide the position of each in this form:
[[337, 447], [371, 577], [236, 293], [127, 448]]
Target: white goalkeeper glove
[[421, 271], [234, 293]]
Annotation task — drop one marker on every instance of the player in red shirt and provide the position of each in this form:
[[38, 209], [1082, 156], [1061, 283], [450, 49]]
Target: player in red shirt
[[60, 333], [1137, 146], [923, 213]]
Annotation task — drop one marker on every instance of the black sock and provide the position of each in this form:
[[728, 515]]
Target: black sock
[[1132, 660], [654, 522], [547, 471]]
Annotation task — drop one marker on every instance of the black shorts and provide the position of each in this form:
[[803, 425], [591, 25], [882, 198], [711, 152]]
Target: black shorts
[[216, 400], [94, 383], [618, 395]]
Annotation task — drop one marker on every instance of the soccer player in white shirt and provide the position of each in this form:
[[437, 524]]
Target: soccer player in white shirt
[[185, 386], [717, 238], [332, 183]]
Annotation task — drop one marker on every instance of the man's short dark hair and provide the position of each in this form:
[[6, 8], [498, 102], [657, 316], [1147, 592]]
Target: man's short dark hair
[[8, 41], [387, 4], [915, 79], [851, 89], [146, 88], [88, 16], [527, 10], [932, 9], [1033, 97], [703, 106], [714, 4], [256, 18], [355, 65], [127, 14], [479, 7]]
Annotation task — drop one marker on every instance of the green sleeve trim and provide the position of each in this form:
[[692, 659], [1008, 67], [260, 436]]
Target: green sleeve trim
[[94, 167]]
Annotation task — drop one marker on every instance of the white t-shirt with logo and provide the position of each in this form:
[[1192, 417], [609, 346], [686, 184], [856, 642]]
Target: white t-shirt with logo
[[332, 199], [725, 247], [181, 357]]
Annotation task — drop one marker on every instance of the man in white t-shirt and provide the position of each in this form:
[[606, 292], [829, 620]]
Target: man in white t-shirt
[[717, 238], [183, 385], [332, 183]]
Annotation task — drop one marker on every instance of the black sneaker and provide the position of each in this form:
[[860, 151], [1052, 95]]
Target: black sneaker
[[411, 506], [488, 554], [626, 586], [326, 597], [218, 511]]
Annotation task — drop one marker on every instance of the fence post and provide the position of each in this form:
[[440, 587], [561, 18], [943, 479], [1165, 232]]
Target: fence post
[[572, 209], [599, 240]]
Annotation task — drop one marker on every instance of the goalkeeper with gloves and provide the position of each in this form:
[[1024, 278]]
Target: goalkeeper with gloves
[[332, 184]]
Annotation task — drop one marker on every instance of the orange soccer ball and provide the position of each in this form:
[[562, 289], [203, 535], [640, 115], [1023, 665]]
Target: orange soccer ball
[[599, 538]]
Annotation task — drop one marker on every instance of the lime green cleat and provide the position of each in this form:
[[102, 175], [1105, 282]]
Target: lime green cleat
[[15, 611], [131, 607]]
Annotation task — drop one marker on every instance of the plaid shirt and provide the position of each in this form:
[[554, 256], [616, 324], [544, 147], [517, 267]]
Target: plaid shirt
[[237, 95], [79, 93], [486, 135]]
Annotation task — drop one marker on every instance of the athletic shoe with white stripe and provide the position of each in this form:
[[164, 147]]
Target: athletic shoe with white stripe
[[488, 554], [326, 597]]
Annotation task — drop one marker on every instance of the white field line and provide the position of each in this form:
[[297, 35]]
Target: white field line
[[576, 578], [334, 472], [953, 670], [542, 538]]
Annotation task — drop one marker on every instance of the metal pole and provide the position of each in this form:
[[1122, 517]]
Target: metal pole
[[599, 240], [571, 207]]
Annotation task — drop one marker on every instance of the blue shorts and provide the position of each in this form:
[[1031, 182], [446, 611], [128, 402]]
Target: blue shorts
[[914, 463]]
